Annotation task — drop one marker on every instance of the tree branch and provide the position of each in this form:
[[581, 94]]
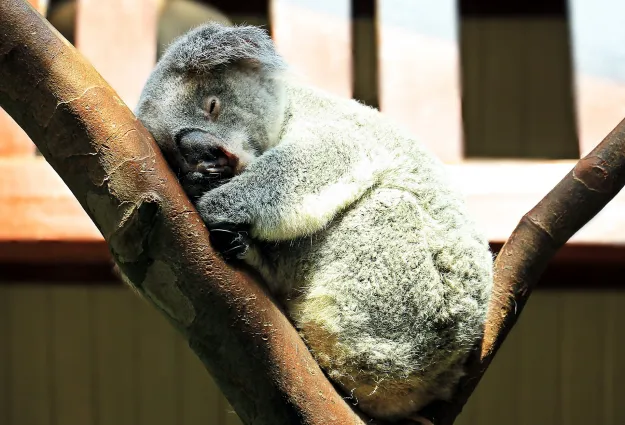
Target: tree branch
[[114, 169], [111, 164], [579, 196]]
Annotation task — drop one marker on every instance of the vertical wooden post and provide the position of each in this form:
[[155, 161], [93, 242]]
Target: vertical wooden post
[[365, 61], [119, 38], [517, 80], [419, 72], [315, 39], [598, 68]]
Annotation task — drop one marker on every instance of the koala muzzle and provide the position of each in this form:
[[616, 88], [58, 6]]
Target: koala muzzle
[[203, 154]]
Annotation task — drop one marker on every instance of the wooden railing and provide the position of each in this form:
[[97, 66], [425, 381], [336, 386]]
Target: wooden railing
[[418, 84]]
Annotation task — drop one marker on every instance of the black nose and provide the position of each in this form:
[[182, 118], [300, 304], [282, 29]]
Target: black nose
[[197, 145]]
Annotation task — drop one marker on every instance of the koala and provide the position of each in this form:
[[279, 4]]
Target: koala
[[351, 222]]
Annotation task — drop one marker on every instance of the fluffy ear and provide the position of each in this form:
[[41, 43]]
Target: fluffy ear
[[214, 45]]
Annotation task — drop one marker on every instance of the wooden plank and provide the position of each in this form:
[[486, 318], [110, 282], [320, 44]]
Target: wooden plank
[[497, 394], [539, 329], [37, 204], [600, 108], [37, 207], [365, 60], [13, 140], [419, 71], [550, 127], [72, 353], [517, 88], [255, 12], [200, 396], [125, 57], [583, 343], [115, 352], [599, 67], [499, 193], [315, 39], [30, 346], [614, 367], [5, 356], [575, 267], [157, 366], [51, 257]]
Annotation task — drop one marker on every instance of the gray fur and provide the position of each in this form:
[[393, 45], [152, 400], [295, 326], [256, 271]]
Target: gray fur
[[228, 45], [353, 223]]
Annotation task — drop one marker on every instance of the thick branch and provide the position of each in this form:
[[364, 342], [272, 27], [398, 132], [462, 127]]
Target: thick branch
[[112, 166], [579, 196], [114, 169]]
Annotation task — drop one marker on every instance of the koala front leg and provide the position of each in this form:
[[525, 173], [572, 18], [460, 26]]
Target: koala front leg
[[292, 190]]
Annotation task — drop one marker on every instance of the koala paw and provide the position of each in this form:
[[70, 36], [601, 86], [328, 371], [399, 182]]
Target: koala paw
[[231, 240]]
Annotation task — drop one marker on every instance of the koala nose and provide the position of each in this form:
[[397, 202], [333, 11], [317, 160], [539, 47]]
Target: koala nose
[[196, 146]]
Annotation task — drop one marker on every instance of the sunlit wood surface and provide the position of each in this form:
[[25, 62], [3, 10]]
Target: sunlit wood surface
[[35, 205], [419, 72], [125, 57], [315, 40]]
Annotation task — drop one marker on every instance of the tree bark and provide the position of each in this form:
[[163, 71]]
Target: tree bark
[[111, 164], [581, 194]]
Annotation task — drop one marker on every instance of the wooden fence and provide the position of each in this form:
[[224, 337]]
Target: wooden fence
[[534, 96]]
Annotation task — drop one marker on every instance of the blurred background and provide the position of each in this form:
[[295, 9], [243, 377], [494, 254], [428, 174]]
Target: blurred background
[[508, 94]]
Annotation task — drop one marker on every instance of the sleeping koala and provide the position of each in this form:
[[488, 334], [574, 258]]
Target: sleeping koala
[[350, 221]]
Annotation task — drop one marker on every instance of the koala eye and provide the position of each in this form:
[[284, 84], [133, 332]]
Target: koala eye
[[212, 107]]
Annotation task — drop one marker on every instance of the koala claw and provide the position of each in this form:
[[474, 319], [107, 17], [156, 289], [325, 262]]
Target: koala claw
[[231, 240]]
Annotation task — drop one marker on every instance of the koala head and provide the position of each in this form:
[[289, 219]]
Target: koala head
[[214, 101]]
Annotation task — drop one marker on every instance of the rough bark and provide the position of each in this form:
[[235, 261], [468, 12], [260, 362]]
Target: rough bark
[[114, 169], [111, 164], [579, 196]]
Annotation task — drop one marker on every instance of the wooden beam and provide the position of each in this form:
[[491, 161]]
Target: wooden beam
[[598, 68], [118, 37], [13, 140], [419, 73], [315, 39], [41, 221], [365, 49], [517, 87], [36, 205], [499, 193]]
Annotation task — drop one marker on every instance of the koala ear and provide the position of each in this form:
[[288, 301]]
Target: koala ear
[[214, 45]]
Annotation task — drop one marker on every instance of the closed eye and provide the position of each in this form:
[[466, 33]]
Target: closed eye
[[212, 107]]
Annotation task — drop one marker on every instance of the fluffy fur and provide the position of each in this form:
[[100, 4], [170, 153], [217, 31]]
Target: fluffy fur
[[351, 222]]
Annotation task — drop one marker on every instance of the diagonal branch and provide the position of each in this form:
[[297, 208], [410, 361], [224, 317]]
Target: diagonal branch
[[114, 169], [112, 166], [579, 196]]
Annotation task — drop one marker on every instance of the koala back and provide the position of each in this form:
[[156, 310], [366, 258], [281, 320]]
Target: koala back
[[355, 224], [392, 295]]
